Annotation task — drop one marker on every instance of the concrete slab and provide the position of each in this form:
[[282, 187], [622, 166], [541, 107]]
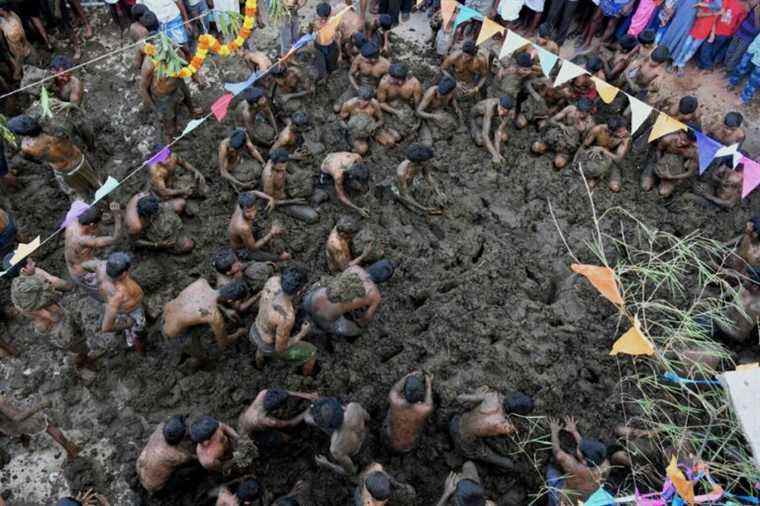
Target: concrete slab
[[743, 387]]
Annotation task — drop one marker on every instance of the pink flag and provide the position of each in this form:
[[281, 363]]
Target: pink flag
[[751, 176], [77, 208], [220, 106]]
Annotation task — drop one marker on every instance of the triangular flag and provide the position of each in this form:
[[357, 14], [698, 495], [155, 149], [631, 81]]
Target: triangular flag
[[633, 342], [192, 125], [737, 158], [303, 41], [751, 176], [466, 14], [487, 30], [606, 91], [75, 211], [727, 150], [639, 113], [447, 10], [746, 367], [603, 279], [24, 250], [684, 487], [512, 42], [219, 108], [665, 125], [238, 88], [600, 498], [419, 2], [568, 71], [160, 156], [706, 149], [110, 185], [547, 59]]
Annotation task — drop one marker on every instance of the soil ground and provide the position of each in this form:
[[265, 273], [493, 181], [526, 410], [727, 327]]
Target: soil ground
[[482, 296]]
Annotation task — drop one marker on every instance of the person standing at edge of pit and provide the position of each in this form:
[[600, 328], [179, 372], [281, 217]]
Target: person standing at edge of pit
[[749, 65]]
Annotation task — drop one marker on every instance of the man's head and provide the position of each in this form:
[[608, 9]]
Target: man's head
[[148, 207], [593, 451], [234, 291], [617, 126], [278, 70], [660, 55], [469, 47], [446, 85], [627, 43], [753, 227], [381, 271], [226, 262], [292, 280], [646, 37], [366, 93], [544, 31], [327, 414], [149, 21], [378, 485], [25, 126], [594, 64], [733, 120], [419, 153], [237, 139], [688, 104], [68, 501], [61, 63], [247, 204], [524, 60], [287, 501], [137, 11], [300, 121], [90, 219], [469, 493], [357, 177], [255, 95], [584, 105], [399, 72], [518, 403], [506, 104], [359, 39], [274, 398], [118, 265], [324, 10], [175, 430], [370, 52], [248, 491], [385, 22], [279, 156], [347, 226], [203, 429], [414, 389]]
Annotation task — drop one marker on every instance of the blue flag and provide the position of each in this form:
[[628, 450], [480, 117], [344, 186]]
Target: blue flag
[[238, 88], [466, 14]]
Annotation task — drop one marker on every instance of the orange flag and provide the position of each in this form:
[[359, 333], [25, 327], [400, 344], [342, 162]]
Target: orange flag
[[684, 487], [488, 30], [606, 91], [633, 342], [664, 126], [447, 10], [603, 279]]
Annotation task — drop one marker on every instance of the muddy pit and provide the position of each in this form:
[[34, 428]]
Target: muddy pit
[[482, 296]]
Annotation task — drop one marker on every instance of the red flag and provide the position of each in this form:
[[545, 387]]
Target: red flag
[[220, 106]]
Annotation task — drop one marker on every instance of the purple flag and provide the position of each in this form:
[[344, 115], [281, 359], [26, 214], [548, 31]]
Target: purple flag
[[160, 156], [706, 148], [75, 211]]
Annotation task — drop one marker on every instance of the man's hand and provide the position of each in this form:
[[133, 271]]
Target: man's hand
[[363, 212], [114, 207], [571, 425], [554, 425], [277, 230], [271, 204], [322, 460], [451, 483]]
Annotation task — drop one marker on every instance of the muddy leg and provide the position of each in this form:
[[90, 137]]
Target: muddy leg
[[361, 146], [308, 367], [647, 177], [539, 148], [560, 161], [426, 136], [666, 188], [614, 183], [71, 449], [521, 122]]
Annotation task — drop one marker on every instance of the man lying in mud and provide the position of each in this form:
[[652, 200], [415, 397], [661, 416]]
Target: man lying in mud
[[363, 120], [215, 442], [162, 177], [156, 225], [346, 171], [410, 405], [271, 332], [418, 160], [83, 241], [273, 180], [602, 150], [167, 449], [241, 232], [489, 418], [349, 301], [15, 422], [367, 69], [465, 488], [438, 122], [347, 428], [399, 93], [294, 137], [468, 67], [240, 170], [676, 162], [255, 113], [563, 132], [338, 247], [481, 118], [260, 421]]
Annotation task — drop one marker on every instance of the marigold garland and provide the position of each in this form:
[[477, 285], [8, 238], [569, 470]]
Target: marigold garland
[[208, 42]]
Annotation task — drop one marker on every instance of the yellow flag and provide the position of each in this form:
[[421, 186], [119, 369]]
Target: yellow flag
[[488, 30], [664, 126], [746, 367], [633, 342], [447, 10], [684, 487], [603, 279], [24, 250], [607, 92]]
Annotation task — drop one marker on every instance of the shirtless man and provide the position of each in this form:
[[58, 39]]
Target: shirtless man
[[156, 225], [643, 76], [602, 150], [83, 241], [687, 111], [418, 159], [347, 427], [330, 311], [291, 84], [411, 404], [469, 68], [488, 419], [367, 69], [338, 247], [260, 422], [271, 332], [215, 442], [481, 118], [291, 137], [161, 176], [123, 296], [399, 94], [511, 78], [72, 170], [583, 472], [241, 233], [232, 161], [620, 60], [145, 23], [246, 492], [743, 320], [723, 187], [273, 180], [15, 422], [163, 453], [257, 61], [465, 487], [563, 132], [18, 45], [254, 102], [164, 94], [363, 119], [749, 248], [199, 304], [350, 24], [346, 171], [729, 133], [375, 487], [432, 106], [67, 87], [676, 161]]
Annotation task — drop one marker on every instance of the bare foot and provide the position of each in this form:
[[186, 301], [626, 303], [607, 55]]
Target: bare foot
[[87, 31]]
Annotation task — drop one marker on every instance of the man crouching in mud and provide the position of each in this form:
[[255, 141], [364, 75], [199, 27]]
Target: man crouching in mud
[[488, 419], [260, 421], [347, 427], [333, 308], [215, 442], [270, 333], [163, 454]]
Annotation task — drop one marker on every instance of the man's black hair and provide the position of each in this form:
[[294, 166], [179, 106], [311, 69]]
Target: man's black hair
[[518, 403], [385, 21], [347, 225], [24, 125], [117, 264], [593, 451], [370, 50], [292, 280], [469, 47], [235, 290], [544, 31], [594, 64], [469, 493], [661, 54], [253, 94], [149, 21], [148, 206], [249, 490], [378, 485], [274, 398], [358, 172], [62, 62], [366, 93], [137, 11], [327, 413], [13, 271], [524, 60], [175, 430], [90, 217], [628, 43], [300, 118], [246, 200], [223, 260], [279, 155], [398, 71], [203, 428], [68, 501], [688, 104], [615, 122], [414, 389], [237, 139], [584, 104], [446, 85], [324, 10], [359, 39], [277, 70], [506, 102], [381, 271], [733, 119], [419, 153], [647, 36]]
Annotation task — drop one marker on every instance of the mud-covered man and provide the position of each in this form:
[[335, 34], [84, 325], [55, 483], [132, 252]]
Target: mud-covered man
[[239, 161], [723, 187], [438, 122], [728, 133], [748, 251], [241, 231], [19, 48], [260, 421], [642, 77], [418, 162], [602, 150], [676, 161], [465, 488], [162, 177], [378, 488], [165, 451], [563, 132], [481, 118], [367, 69], [271, 332], [468, 67], [399, 93], [66, 86], [15, 422], [254, 105], [740, 322], [347, 172], [410, 405], [215, 442], [363, 119], [156, 225], [338, 247], [273, 182], [289, 86], [347, 428], [292, 137]]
